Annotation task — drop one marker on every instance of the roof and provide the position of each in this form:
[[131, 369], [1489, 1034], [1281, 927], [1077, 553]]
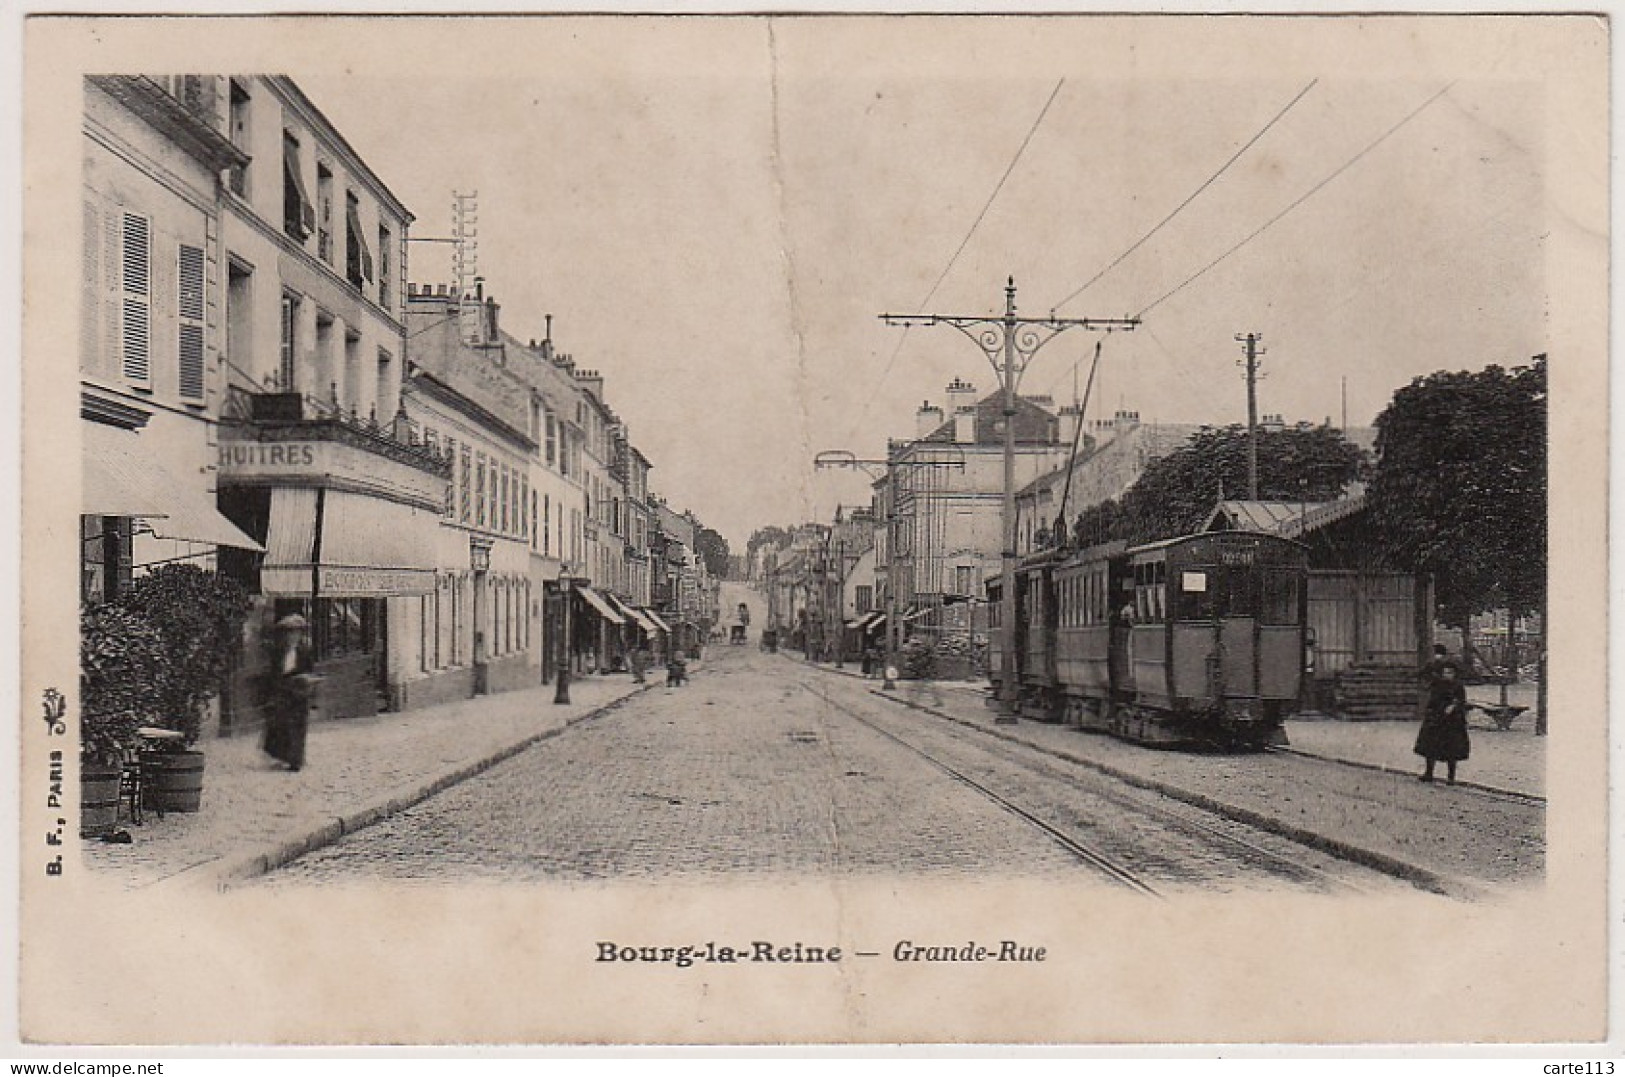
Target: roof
[[1289, 519]]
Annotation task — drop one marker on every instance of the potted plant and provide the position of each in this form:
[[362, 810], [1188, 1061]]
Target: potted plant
[[121, 661], [199, 615]]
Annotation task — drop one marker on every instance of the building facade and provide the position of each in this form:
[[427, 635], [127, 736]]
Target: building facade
[[316, 459], [480, 629], [151, 317]]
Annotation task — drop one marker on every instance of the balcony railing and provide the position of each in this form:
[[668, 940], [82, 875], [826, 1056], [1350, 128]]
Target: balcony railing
[[280, 416]]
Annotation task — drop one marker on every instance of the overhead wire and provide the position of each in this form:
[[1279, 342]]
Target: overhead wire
[[954, 258], [1192, 197], [1379, 140]]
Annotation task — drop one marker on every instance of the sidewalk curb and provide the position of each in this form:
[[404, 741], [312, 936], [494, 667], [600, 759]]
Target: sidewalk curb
[[1511, 794], [222, 873], [1385, 863]]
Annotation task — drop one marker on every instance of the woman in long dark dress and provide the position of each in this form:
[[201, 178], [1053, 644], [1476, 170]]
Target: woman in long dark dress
[[286, 725], [1444, 724]]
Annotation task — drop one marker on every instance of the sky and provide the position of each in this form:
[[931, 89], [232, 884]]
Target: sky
[[716, 211]]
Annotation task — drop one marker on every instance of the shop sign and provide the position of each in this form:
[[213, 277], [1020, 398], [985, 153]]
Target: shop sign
[[361, 582], [241, 459]]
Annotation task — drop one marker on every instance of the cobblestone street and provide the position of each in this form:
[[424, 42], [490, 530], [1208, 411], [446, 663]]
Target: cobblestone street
[[741, 771], [763, 766]]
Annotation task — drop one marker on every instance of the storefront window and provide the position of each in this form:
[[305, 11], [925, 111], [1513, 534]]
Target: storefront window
[[345, 626]]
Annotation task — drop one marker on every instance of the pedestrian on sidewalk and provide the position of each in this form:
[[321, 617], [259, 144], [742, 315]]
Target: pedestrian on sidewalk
[[1444, 724], [676, 671], [639, 661], [289, 718]]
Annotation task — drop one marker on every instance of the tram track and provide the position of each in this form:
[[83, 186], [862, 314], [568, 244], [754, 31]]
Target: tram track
[[1267, 824], [1183, 820]]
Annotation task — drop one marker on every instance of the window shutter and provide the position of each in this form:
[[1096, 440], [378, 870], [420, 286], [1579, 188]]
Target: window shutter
[[90, 301], [189, 306], [112, 287], [191, 283], [191, 381], [137, 290]]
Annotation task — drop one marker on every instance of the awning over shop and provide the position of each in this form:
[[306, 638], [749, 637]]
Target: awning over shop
[[864, 622], [660, 624], [640, 619], [597, 602], [124, 477], [369, 547]]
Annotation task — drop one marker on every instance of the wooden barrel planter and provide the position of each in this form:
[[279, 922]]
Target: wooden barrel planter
[[172, 781], [98, 800]]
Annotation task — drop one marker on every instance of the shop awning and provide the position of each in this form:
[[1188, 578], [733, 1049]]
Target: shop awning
[[369, 548], [124, 477], [630, 613], [659, 623], [597, 602], [864, 622]]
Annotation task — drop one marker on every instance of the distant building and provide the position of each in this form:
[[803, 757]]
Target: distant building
[[939, 511]]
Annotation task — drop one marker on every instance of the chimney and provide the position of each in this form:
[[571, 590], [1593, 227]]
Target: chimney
[[479, 288], [1071, 416], [927, 419], [491, 309], [962, 406], [592, 381]]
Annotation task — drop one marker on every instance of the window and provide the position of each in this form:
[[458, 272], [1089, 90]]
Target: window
[[357, 258], [552, 440], [383, 266], [298, 214], [502, 500], [190, 312], [451, 482], [963, 579], [467, 487], [290, 342], [1280, 599], [345, 626], [324, 212], [547, 525], [239, 315], [864, 598], [136, 298], [384, 402], [239, 134], [479, 490]]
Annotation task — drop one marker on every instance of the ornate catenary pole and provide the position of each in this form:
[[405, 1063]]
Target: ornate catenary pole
[[1009, 343]]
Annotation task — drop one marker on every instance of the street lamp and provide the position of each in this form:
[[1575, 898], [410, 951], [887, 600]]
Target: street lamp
[[561, 693], [1009, 343]]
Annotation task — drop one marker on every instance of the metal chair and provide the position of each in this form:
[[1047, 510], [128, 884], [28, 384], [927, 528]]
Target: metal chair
[[129, 783]]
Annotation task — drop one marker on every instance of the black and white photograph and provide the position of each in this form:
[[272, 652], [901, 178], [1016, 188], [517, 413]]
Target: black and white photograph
[[814, 529]]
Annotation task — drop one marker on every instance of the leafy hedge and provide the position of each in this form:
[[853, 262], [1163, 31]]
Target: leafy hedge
[[157, 654]]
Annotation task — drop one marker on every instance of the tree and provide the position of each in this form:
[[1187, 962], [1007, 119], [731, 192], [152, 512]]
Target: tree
[[772, 535], [713, 550], [1176, 493], [1459, 490]]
